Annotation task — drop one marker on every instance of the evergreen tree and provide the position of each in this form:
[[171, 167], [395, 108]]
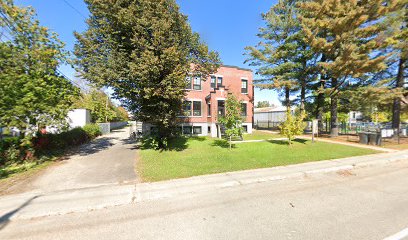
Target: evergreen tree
[[32, 92], [399, 44], [345, 33], [144, 50], [283, 57]]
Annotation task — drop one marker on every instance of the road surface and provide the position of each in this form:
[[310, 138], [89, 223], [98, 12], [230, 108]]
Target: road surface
[[365, 203]]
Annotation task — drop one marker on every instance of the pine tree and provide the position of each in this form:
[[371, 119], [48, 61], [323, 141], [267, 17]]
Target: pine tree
[[345, 33], [399, 44], [144, 50], [283, 58]]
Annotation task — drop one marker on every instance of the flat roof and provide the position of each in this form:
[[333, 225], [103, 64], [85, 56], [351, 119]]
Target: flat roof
[[240, 68]]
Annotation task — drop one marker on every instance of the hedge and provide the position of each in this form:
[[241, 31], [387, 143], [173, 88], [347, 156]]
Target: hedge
[[11, 151]]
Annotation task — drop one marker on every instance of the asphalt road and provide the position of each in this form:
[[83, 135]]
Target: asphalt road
[[109, 159], [367, 203]]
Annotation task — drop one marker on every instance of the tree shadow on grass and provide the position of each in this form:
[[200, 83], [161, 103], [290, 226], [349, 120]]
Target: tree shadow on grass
[[299, 140], [221, 143], [286, 142], [175, 144], [279, 142]]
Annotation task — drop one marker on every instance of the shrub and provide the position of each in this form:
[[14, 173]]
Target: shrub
[[292, 126], [92, 130], [8, 142], [73, 137], [15, 149], [9, 150]]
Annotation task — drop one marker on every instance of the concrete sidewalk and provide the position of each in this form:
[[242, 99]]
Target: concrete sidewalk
[[32, 205]]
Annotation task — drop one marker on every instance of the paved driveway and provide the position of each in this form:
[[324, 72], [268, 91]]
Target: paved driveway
[[109, 159]]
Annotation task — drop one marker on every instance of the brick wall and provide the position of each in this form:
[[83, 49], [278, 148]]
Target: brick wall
[[232, 77]]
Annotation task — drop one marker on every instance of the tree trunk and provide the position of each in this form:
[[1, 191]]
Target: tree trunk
[[287, 98], [303, 89], [320, 99], [303, 95], [319, 107], [334, 131], [396, 107]]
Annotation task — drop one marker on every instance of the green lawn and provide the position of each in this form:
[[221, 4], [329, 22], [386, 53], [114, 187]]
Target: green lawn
[[200, 155], [259, 135]]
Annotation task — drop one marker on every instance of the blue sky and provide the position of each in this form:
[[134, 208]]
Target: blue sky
[[227, 26]]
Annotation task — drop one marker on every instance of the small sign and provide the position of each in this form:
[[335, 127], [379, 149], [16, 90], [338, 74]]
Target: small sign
[[314, 128]]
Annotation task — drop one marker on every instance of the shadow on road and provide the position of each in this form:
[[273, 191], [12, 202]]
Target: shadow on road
[[95, 146], [132, 142], [5, 219]]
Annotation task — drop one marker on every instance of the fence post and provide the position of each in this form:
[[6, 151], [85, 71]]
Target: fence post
[[268, 124]]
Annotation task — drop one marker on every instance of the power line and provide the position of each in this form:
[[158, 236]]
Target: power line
[[75, 9], [3, 35], [65, 76]]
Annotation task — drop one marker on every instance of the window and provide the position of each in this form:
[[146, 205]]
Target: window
[[209, 109], [197, 130], [213, 82], [196, 108], [244, 86], [245, 127], [243, 109], [197, 83], [192, 108], [179, 129], [209, 129], [221, 108], [188, 82], [187, 130], [219, 81], [187, 108], [153, 129]]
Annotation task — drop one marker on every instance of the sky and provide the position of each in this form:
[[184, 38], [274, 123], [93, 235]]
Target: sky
[[227, 26]]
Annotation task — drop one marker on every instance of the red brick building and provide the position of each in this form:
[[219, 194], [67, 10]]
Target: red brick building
[[205, 100]]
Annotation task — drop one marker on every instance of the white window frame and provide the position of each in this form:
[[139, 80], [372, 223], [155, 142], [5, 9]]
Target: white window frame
[[247, 85], [194, 84]]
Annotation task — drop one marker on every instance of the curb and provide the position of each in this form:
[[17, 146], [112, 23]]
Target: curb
[[94, 198]]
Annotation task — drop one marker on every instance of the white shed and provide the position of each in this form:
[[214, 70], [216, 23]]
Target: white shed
[[79, 117]]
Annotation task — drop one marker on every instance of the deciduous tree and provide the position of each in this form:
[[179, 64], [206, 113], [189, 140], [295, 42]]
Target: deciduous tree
[[32, 92], [232, 120], [144, 50]]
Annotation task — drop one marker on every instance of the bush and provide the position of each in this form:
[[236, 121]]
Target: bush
[[292, 126], [9, 150], [13, 149], [92, 130], [8, 142], [73, 137]]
